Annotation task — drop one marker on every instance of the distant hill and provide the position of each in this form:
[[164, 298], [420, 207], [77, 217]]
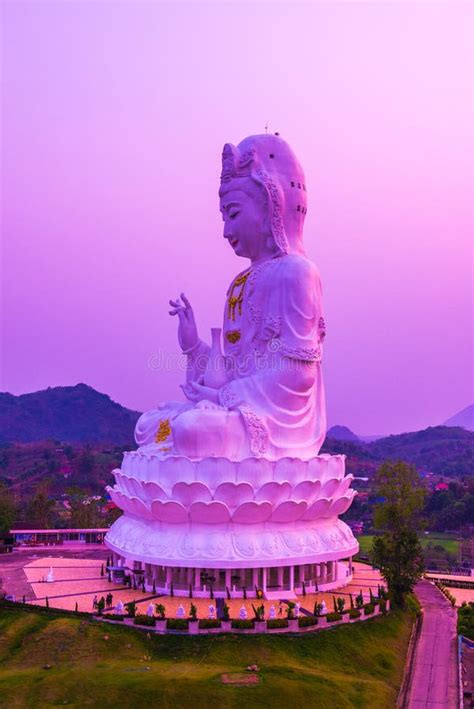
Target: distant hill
[[69, 414], [464, 418], [342, 433], [441, 449]]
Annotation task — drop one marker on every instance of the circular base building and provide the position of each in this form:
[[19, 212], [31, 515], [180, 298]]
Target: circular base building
[[237, 528]]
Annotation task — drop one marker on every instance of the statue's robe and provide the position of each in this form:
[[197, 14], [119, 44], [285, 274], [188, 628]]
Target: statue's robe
[[273, 400]]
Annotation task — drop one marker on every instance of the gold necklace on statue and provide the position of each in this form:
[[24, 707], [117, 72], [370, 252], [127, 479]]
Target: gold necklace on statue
[[235, 301]]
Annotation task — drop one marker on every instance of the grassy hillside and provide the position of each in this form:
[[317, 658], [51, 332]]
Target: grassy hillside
[[100, 666]]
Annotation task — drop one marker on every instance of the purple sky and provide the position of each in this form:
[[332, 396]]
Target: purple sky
[[114, 115]]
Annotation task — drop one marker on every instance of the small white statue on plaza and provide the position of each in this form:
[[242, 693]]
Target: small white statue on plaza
[[119, 608], [212, 611], [243, 613], [180, 613], [297, 609], [272, 613], [150, 611], [324, 608], [50, 576]]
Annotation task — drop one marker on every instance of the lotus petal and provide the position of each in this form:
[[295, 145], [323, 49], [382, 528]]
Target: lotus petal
[[153, 491], [187, 493], [317, 509], [341, 505], [289, 511], [252, 513], [175, 469], [291, 469], [209, 513], [137, 507], [344, 485], [336, 466], [172, 512], [234, 494], [214, 471], [329, 487], [126, 462], [119, 481], [118, 498], [273, 492], [133, 487], [255, 471], [308, 490], [317, 467]]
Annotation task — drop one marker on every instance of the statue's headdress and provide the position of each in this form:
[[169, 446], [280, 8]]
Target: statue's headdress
[[269, 161]]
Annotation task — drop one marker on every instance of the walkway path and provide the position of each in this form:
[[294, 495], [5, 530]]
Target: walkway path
[[434, 681]]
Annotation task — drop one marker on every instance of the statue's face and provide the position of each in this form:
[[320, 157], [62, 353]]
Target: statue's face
[[244, 210]]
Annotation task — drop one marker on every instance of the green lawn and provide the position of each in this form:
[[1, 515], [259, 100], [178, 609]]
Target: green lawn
[[447, 542], [360, 665]]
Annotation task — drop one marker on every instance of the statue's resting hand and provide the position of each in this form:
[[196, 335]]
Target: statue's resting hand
[[196, 392], [187, 330]]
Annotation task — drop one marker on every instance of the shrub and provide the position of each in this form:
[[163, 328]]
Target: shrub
[[112, 616], [144, 620], [225, 612], [290, 609], [340, 605], [259, 612], [369, 608], [193, 612], [466, 620], [307, 621], [277, 623], [359, 600], [332, 617], [354, 613], [131, 608], [412, 604], [206, 623], [383, 605], [160, 611], [242, 624], [318, 607], [177, 624]]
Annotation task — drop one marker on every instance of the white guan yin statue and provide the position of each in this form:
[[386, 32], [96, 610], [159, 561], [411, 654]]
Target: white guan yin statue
[[227, 489]]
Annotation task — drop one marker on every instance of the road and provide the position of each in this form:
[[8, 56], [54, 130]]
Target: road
[[434, 680]]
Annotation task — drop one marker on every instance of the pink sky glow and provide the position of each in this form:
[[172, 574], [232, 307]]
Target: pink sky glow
[[114, 115]]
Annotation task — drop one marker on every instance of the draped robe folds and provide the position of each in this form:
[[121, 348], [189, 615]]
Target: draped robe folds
[[273, 399]]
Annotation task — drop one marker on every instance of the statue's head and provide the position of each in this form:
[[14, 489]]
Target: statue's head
[[263, 184]]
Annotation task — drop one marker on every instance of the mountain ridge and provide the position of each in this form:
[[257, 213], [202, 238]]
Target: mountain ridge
[[73, 414]]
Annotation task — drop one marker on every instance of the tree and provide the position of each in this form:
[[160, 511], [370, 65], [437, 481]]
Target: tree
[[85, 510], [40, 508], [7, 510], [397, 549]]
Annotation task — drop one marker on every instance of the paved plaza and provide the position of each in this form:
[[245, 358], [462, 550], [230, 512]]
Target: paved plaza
[[78, 579]]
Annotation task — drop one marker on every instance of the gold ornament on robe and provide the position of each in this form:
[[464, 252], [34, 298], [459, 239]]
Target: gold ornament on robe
[[233, 336], [164, 431], [235, 301]]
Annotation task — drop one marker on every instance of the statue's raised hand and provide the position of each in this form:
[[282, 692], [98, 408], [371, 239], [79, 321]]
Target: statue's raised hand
[[187, 330]]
